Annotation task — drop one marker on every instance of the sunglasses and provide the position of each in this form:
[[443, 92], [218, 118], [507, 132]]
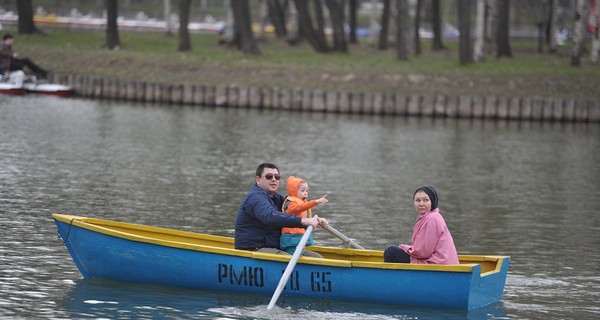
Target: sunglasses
[[270, 176]]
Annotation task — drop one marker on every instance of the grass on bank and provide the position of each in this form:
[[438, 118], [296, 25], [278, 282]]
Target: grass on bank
[[152, 56]]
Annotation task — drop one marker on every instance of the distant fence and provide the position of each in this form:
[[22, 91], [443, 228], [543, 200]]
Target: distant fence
[[396, 104]]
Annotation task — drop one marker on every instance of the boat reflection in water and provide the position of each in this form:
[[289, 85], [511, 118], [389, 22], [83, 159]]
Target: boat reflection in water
[[113, 300]]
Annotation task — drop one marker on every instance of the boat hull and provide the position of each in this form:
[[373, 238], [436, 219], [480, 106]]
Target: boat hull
[[50, 89], [11, 89], [106, 256], [44, 89]]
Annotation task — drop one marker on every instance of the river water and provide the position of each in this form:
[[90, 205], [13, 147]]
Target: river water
[[524, 189]]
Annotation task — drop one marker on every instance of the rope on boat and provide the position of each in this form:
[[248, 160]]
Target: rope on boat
[[68, 231]]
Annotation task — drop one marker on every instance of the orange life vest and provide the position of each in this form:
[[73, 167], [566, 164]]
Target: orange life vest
[[305, 214]]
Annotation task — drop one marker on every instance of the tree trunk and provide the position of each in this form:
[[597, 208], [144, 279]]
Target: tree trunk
[[352, 20], [465, 46], [316, 38], [541, 24], [294, 35], [112, 29], [578, 33], [277, 16], [436, 16], [243, 37], [25, 12], [502, 37], [596, 34], [385, 22], [492, 27], [336, 12], [373, 22], [480, 31], [417, 27], [264, 16], [184, 17], [228, 33], [319, 16], [167, 15], [402, 31], [393, 25], [551, 28]]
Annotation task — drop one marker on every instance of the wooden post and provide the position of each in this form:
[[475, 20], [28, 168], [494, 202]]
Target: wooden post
[[502, 108], [389, 104], [477, 107], [537, 108], [331, 102], [344, 102], [188, 94], [525, 109], [221, 96], [439, 106], [465, 107], [318, 101], [514, 109], [427, 105], [569, 110], [452, 106], [489, 109], [581, 111]]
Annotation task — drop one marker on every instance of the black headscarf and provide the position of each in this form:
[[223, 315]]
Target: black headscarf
[[431, 193]]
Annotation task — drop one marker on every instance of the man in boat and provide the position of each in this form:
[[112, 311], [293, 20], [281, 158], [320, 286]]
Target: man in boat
[[258, 222], [12, 62]]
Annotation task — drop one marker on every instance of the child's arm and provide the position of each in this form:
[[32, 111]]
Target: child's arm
[[295, 208]]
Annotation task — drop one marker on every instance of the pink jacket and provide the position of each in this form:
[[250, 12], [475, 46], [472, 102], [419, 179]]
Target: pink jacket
[[432, 242]]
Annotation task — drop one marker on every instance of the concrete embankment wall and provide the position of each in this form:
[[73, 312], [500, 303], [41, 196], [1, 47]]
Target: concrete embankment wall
[[400, 104]]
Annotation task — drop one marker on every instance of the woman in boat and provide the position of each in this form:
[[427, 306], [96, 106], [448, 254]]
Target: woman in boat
[[296, 204], [432, 242]]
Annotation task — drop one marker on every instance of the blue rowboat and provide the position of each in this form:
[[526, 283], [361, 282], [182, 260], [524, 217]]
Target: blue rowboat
[[135, 253]]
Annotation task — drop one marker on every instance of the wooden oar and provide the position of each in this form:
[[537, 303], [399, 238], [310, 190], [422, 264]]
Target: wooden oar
[[347, 241], [290, 266]]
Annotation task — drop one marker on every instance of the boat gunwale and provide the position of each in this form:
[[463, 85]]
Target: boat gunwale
[[103, 226]]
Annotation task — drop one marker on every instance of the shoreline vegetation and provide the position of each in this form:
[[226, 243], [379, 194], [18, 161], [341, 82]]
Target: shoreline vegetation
[[152, 57]]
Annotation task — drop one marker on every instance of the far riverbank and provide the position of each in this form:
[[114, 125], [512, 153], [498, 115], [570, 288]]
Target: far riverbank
[[395, 104], [153, 57]]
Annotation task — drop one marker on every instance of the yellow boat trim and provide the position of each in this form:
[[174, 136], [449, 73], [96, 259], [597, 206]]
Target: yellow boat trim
[[336, 257]]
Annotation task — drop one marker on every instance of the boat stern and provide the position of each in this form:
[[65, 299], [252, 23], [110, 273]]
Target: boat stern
[[488, 286]]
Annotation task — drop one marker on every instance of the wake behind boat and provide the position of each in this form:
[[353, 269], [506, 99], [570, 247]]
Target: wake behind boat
[[142, 254]]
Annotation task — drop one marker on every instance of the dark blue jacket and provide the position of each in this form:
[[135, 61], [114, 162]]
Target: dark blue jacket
[[259, 220]]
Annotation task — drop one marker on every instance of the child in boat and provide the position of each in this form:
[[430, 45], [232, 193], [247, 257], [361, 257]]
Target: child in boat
[[432, 242], [296, 203]]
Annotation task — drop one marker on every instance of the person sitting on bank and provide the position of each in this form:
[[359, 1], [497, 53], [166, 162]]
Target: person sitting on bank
[[432, 242], [12, 62], [296, 204], [258, 221]]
